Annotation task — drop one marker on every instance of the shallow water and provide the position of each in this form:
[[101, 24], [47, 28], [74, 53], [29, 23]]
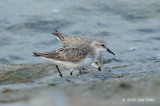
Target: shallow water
[[131, 28]]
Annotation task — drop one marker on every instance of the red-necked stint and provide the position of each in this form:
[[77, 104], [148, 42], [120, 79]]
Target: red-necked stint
[[76, 56], [74, 40]]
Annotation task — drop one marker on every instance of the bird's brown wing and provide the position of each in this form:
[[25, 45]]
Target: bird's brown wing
[[70, 54], [74, 40]]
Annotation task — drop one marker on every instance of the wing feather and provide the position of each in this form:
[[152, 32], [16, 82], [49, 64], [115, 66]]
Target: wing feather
[[70, 54]]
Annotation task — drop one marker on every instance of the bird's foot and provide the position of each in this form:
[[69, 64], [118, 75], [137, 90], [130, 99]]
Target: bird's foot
[[60, 75], [71, 72], [99, 69]]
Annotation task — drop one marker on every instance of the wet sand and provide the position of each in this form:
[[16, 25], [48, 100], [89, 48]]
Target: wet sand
[[139, 85]]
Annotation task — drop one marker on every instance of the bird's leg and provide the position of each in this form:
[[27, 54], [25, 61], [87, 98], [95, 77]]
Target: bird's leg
[[99, 63], [71, 72], [80, 72], [99, 68], [60, 74]]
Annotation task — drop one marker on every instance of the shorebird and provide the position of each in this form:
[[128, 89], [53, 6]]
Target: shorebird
[[74, 40], [76, 56]]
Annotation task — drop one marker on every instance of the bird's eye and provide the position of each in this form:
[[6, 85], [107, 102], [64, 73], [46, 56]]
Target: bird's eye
[[103, 45]]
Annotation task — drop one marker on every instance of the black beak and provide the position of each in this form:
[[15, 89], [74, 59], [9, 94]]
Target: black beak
[[110, 51]]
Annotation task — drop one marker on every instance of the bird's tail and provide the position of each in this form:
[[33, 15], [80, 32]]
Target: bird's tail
[[36, 54]]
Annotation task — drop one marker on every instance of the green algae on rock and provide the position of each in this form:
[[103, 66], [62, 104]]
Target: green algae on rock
[[25, 73]]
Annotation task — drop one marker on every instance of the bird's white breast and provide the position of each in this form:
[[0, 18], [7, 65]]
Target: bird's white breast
[[81, 64]]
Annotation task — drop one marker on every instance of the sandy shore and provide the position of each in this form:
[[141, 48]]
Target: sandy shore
[[111, 86]]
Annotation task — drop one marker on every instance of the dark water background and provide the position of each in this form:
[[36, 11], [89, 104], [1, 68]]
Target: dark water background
[[131, 27]]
